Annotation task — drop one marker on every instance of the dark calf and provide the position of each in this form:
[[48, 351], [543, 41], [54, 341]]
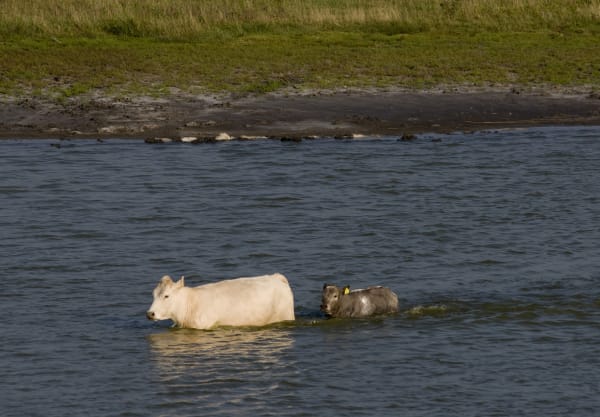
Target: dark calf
[[341, 302]]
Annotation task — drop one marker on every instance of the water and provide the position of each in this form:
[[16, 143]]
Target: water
[[490, 240]]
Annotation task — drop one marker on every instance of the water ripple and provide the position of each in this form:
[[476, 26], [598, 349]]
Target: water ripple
[[490, 241]]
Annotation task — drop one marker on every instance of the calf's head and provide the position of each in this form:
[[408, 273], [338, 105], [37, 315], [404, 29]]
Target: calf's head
[[164, 300], [331, 297]]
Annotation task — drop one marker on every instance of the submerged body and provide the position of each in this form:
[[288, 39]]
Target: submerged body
[[341, 302], [253, 301]]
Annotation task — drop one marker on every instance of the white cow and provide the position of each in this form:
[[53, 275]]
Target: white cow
[[255, 301]]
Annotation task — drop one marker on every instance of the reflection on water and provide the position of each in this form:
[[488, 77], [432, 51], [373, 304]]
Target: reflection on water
[[224, 368], [229, 345]]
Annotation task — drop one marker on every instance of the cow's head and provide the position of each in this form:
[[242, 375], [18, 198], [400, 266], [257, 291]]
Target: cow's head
[[330, 298], [164, 302]]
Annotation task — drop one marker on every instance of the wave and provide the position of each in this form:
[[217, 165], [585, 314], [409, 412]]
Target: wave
[[543, 310]]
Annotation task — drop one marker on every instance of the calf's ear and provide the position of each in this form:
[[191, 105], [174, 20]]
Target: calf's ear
[[346, 290], [325, 285]]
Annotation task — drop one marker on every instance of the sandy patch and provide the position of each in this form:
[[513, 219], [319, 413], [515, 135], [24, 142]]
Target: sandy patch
[[306, 114]]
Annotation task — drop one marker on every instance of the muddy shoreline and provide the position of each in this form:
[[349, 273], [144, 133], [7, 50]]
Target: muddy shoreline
[[294, 115]]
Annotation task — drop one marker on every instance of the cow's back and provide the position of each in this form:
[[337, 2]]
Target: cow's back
[[384, 300], [248, 301], [368, 302]]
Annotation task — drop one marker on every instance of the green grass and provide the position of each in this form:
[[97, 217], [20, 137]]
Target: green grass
[[185, 19], [66, 48]]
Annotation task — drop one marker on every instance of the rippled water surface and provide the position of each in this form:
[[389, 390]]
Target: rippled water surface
[[491, 240]]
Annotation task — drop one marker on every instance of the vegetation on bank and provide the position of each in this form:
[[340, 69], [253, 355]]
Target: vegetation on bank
[[61, 48]]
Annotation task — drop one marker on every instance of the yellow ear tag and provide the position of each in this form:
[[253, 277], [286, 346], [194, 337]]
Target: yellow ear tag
[[346, 290]]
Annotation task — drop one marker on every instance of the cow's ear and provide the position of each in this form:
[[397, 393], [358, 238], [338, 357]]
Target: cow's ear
[[181, 282], [324, 285], [166, 280], [346, 290]]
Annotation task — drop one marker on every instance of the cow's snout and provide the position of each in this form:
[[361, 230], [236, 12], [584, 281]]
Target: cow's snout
[[150, 315]]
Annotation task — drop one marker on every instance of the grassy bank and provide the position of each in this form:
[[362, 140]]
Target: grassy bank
[[185, 19], [65, 48]]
